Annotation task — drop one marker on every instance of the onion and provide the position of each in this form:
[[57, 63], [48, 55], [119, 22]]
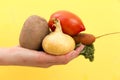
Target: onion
[[58, 43]]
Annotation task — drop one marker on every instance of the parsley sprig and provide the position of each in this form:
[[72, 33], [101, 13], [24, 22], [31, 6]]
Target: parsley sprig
[[88, 52]]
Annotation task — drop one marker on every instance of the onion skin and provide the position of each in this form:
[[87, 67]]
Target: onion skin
[[58, 43]]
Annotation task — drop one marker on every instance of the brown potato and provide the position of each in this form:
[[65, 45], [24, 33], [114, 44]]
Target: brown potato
[[33, 32]]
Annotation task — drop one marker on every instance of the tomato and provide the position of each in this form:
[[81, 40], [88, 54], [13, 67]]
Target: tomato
[[71, 23]]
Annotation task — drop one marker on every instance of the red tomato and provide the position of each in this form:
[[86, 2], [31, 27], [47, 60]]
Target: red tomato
[[71, 23]]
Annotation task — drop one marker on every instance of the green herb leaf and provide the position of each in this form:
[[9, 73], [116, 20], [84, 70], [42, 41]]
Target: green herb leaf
[[88, 52]]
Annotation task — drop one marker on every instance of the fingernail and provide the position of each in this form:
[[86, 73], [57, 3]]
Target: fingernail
[[80, 48]]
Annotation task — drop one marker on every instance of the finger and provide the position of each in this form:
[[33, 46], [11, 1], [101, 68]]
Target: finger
[[70, 56], [80, 48], [76, 52], [46, 58], [63, 59]]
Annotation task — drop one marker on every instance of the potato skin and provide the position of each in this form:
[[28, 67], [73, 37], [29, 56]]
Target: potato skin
[[33, 32]]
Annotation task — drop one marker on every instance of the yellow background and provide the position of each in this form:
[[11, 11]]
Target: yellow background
[[99, 17]]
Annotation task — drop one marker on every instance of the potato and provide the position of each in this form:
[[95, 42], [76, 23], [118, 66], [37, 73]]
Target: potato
[[33, 32]]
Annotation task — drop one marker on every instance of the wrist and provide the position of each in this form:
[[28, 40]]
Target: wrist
[[3, 56], [7, 56]]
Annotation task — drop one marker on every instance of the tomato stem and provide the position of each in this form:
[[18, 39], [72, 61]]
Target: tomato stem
[[107, 34]]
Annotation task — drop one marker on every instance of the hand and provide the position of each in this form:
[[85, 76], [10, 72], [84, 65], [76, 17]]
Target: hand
[[25, 57]]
